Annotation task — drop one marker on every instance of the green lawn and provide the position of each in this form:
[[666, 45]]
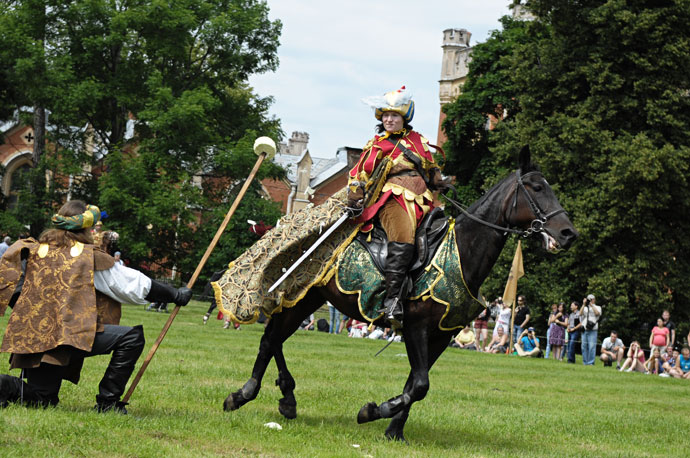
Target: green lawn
[[478, 405]]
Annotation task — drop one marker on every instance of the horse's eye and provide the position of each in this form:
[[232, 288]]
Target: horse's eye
[[536, 188]]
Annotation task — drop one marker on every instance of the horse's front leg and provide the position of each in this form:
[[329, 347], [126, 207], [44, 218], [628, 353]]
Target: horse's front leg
[[395, 429], [417, 385]]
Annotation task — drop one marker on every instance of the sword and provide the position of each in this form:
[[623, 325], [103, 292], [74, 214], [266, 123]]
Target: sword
[[311, 249]]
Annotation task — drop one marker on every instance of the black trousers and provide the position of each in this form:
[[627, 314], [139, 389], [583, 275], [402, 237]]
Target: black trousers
[[125, 342]]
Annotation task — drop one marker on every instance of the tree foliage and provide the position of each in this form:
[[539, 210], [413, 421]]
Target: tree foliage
[[601, 93], [151, 95]]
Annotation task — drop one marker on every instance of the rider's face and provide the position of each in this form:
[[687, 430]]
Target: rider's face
[[392, 121]]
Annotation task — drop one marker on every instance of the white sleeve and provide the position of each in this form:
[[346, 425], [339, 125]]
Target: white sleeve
[[123, 284]]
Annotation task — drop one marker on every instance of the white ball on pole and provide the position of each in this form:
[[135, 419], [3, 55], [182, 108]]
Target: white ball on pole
[[265, 145]]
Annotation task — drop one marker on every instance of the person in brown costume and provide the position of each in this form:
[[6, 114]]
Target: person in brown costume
[[404, 190], [66, 294]]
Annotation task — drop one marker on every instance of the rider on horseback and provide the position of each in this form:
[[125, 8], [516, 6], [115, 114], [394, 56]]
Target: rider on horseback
[[404, 189]]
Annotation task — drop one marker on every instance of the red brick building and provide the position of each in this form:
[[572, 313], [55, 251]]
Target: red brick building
[[309, 179]]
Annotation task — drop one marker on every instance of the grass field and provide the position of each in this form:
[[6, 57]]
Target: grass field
[[478, 405]]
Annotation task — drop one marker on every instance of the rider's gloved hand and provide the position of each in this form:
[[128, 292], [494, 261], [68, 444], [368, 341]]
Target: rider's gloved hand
[[437, 182], [355, 198]]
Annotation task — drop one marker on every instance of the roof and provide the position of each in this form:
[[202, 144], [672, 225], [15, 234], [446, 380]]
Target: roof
[[321, 171], [325, 169]]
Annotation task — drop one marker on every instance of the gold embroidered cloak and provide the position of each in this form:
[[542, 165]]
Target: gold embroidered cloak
[[58, 309]]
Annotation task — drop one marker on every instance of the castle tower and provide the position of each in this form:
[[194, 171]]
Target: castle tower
[[296, 145], [455, 66]]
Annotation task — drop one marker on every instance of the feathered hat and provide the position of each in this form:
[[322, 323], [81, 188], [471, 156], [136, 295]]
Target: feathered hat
[[399, 101]]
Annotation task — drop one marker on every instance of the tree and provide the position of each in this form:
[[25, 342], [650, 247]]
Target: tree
[[149, 95], [602, 90]]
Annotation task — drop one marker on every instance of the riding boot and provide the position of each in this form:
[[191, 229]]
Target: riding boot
[[398, 260], [121, 366], [163, 293]]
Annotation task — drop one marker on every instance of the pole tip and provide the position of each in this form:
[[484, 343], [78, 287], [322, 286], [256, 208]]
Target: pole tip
[[265, 145]]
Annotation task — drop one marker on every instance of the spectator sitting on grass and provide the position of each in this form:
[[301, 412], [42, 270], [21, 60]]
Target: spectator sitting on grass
[[379, 333], [499, 342], [635, 360], [358, 329], [308, 323], [612, 349], [464, 339], [670, 362], [528, 344], [683, 365], [654, 364]]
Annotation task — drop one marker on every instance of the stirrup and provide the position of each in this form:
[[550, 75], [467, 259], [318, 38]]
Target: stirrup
[[394, 314]]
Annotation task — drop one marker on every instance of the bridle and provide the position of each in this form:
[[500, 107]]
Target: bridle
[[537, 224]]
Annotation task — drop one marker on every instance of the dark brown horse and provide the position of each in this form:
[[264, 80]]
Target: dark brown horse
[[521, 203]]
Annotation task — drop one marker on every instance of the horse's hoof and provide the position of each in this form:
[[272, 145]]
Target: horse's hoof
[[397, 436], [288, 409], [230, 403], [369, 412]]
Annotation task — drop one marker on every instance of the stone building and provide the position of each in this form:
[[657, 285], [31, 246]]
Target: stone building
[[310, 179], [16, 151], [457, 54]]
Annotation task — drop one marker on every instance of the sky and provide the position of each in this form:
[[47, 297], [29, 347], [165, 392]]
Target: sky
[[333, 54]]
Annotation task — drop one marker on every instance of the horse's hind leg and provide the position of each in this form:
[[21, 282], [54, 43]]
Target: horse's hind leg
[[287, 405], [251, 389]]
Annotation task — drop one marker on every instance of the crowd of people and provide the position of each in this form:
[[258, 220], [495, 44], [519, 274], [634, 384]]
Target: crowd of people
[[567, 328]]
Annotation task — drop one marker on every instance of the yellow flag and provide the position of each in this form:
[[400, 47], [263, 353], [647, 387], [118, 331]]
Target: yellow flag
[[516, 272]]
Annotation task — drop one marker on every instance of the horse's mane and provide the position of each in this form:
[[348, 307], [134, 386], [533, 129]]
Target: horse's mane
[[531, 167]]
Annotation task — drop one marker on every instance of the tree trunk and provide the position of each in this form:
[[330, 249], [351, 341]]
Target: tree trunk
[[39, 135]]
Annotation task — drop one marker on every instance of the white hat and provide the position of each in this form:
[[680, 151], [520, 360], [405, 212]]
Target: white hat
[[591, 297]]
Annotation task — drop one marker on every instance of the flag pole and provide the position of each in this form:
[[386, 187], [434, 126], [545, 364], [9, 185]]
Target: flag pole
[[517, 271], [264, 147]]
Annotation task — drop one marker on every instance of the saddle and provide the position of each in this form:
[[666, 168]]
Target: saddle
[[428, 237]]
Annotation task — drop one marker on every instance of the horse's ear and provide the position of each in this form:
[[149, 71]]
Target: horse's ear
[[525, 158]]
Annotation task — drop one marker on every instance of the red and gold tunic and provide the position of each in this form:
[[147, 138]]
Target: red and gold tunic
[[402, 183]]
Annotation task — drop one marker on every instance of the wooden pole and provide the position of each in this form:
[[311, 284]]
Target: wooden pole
[[192, 280]]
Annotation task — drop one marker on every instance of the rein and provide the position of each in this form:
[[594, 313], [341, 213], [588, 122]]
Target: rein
[[537, 224]]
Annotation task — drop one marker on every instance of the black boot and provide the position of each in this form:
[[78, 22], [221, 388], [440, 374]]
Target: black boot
[[161, 292], [398, 260], [40, 390], [15, 390], [119, 370], [10, 390]]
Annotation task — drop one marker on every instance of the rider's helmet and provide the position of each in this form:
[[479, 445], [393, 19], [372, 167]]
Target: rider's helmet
[[399, 101]]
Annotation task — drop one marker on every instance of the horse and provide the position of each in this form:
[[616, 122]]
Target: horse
[[522, 203]]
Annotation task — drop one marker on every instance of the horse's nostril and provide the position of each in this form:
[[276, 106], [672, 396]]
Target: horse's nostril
[[568, 233]]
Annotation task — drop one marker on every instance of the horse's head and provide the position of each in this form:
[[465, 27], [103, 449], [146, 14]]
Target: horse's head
[[534, 208]]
